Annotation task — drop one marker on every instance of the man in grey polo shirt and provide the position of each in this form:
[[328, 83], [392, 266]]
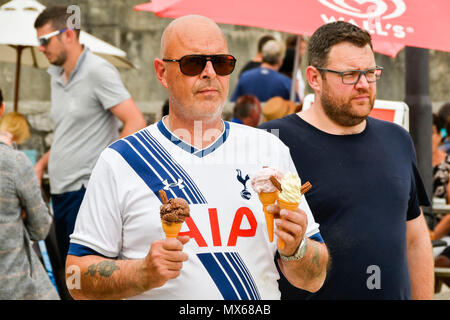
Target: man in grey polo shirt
[[88, 97]]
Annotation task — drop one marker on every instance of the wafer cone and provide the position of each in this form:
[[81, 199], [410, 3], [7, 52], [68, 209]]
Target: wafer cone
[[171, 230], [268, 198], [291, 206]]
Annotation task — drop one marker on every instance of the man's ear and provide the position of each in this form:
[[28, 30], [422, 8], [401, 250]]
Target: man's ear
[[2, 108], [314, 78], [160, 70], [71, 36]]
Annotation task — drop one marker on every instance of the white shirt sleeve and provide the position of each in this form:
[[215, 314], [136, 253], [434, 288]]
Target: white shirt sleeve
[[99, 221]]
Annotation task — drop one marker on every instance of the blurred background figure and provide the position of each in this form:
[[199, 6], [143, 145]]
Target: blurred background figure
[[266, 82], [14, 128], [287, 67], [276, 108], [441, 163], [444, 119], [441, 171], [257, 59], [247, 110], [165, 109], [24, 217], [88, 98]]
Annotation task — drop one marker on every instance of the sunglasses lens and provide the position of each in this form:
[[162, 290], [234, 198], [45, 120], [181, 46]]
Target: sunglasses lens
[[43, 41], [223, 65], [192, 65]]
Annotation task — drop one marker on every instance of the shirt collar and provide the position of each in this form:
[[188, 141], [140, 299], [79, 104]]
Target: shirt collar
[[57, 71], [191, 149]]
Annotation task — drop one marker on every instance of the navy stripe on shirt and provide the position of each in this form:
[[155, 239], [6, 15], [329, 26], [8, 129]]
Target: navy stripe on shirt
[[79, 250]]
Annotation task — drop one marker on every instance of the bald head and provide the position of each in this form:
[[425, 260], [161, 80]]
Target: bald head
[[187, 29]]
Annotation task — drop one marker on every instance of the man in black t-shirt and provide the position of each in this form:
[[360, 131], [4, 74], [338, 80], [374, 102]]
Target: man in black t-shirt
[[366, 189]]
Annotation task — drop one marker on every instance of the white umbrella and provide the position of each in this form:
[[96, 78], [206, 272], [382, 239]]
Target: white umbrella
[[18, 40]]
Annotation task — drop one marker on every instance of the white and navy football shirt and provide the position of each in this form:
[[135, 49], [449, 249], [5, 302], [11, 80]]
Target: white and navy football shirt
[[230, 256]]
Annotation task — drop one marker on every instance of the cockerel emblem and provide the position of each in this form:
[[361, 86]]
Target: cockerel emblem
[[245, 194]]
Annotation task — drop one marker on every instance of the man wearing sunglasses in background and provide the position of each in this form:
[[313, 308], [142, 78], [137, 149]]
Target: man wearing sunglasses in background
[[367, 191], [223, 250], [87, 98]]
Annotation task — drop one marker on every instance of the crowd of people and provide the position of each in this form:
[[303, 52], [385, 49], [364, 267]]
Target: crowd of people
[[359, 233]]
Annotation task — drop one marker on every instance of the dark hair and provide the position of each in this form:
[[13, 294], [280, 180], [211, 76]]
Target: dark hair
[[165, 108], [287, 67], [1, 97], [437, 122], [57, 16], [331, 34], [262, 41], [244, 105], [444, 116]]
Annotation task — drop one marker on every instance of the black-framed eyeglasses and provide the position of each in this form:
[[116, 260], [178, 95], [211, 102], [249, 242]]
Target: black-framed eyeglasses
[[45, 39], [194, 64], [353, 76]]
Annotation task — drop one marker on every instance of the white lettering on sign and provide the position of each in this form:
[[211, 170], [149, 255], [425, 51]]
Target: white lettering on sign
[[372, 13]]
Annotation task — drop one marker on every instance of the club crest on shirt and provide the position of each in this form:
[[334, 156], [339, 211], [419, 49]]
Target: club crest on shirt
[[178, 183], [245, 194]]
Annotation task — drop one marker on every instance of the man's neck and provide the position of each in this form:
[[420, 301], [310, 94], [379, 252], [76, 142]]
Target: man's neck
[[72, 58], [269, 66], [198, 133], [316, 117], [257, 58]]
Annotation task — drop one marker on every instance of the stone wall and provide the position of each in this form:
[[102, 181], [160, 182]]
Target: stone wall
[[138, 33]]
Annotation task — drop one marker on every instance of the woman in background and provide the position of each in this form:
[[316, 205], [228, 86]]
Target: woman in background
[[24, 217]]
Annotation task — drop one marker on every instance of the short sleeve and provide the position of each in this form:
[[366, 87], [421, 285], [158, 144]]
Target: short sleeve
[[288, 166], [418, 195], [99, 221], [109, 88]]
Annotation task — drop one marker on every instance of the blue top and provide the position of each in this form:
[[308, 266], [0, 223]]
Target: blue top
[[264, 84], [364, 188]]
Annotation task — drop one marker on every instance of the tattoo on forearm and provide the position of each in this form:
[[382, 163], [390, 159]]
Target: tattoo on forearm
[[104, 268], [316, 257]]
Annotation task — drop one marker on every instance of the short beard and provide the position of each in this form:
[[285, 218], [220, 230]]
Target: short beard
[[61, 59], [340, 113]]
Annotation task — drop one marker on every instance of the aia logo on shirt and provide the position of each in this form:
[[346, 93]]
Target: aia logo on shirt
[[245, 194]]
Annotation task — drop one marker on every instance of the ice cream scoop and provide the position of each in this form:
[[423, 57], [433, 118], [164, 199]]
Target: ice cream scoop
[[290, 186], [173, 212]]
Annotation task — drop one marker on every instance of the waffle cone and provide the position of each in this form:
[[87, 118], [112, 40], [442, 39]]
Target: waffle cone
[[171, 230], [266, 199], [291, 206]]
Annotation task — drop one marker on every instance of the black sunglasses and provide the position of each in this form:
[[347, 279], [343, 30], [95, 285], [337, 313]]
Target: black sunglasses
[[45, 39], [194, 64]]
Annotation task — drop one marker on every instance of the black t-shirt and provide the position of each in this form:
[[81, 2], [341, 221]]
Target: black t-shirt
[[364, 188]]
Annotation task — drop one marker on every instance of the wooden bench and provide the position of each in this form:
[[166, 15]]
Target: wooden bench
[[440, 273]]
